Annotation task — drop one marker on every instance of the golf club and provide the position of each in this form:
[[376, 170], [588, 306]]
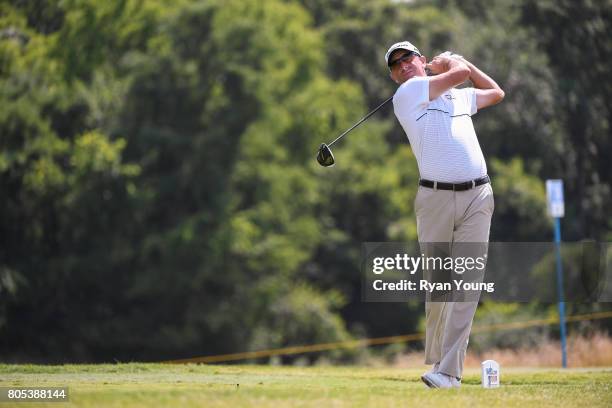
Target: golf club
[[325, 157]]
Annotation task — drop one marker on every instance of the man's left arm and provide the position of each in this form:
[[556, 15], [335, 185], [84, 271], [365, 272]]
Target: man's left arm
[[487, 91]]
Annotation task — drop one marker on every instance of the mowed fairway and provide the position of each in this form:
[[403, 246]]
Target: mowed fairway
[[149, 385]]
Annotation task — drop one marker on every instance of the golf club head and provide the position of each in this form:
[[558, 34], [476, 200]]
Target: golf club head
[[325, 157]]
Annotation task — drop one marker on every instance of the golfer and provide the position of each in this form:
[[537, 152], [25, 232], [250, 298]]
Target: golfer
[[454, 202]]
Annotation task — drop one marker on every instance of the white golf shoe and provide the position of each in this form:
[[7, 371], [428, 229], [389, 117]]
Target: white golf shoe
[[434, 369], [440, 380]]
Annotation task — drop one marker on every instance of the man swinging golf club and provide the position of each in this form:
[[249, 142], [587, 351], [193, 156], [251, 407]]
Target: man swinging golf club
[[454, 202]]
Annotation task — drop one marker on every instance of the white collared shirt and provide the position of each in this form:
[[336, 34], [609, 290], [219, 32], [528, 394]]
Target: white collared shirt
[[440, 132]]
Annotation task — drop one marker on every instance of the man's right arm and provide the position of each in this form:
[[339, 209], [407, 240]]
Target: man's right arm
[[448, 73]]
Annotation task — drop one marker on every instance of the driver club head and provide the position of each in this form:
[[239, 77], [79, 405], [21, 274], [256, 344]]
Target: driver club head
[[325, 157]]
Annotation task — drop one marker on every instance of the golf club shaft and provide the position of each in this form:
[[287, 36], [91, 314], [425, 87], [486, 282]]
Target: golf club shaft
[[360, 121]]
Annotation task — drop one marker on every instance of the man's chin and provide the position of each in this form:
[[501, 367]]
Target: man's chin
[[407, 77]]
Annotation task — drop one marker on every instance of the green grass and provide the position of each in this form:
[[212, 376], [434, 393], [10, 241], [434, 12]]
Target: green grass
[[149, 385]]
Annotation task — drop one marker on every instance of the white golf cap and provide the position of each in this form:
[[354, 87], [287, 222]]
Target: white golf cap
[[404, 45]]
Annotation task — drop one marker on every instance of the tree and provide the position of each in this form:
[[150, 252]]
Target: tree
[[579, 56]]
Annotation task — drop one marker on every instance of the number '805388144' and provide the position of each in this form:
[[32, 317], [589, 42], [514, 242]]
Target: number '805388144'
[[33, 394]]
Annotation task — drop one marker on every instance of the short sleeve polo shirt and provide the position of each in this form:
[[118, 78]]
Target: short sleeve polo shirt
[[441, 131]]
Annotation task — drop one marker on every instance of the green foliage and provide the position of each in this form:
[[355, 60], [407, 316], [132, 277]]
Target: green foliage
[[518, 195], [357, 35], [578, 56], [303, 315], [160, 196]]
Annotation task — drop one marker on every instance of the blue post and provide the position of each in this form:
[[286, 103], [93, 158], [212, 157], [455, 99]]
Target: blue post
[[560, 290]]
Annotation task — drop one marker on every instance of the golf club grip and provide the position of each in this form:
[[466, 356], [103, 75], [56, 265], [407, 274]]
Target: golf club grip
[[360, 121]]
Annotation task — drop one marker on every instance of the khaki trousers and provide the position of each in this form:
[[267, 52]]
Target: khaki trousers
[[451, 217]]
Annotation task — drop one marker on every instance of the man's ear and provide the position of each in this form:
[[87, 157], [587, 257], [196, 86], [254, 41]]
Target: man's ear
[[391, 76]]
